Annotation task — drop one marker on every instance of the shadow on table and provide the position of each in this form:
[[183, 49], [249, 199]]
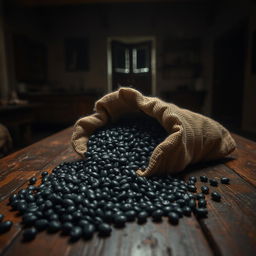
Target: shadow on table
[[203, 165]]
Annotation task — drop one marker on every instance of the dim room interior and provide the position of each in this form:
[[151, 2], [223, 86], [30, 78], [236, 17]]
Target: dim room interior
[[57, 57]]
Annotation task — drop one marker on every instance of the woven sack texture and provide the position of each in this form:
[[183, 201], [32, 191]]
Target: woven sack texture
[[191, 138]]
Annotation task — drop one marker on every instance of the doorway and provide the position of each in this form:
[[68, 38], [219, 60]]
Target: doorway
[[229, 68], [131, 63]]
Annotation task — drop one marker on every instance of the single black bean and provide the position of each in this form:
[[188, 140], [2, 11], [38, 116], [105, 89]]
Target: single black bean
[[142, 217], [193, 178], [157, 215], [173, 218], [54, 226], [104, 229], [29, 219], [213, 182], [130, 215], [5, 226], [88, 231], [44, 174], [201, 212], [32, 180], [119, 220], [75, 233], [216, 196], [205, 189], [202, 203], [179, 211], [41, 224], [67, 227], [191, 188], [29, 234], [192, 203], [203, 178], [186, 211], [224, 180]]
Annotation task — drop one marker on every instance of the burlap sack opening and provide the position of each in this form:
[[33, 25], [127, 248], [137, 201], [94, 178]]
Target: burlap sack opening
[[192, 137]]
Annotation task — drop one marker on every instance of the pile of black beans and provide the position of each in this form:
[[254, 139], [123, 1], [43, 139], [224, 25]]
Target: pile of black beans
[[87, 196]]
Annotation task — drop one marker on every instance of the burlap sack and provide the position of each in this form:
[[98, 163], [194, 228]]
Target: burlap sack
[[192, 137]]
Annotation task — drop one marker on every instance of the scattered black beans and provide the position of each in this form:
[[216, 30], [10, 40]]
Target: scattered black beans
[[213, 182], [216, 196], [224, 180], [82, 197]]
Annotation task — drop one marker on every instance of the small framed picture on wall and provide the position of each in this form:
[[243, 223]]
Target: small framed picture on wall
[[76, 54]]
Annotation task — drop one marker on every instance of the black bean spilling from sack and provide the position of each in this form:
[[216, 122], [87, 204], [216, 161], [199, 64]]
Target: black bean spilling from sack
[[87, 196]]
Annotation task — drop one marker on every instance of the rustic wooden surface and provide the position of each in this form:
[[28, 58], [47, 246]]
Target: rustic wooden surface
[[230, 228]]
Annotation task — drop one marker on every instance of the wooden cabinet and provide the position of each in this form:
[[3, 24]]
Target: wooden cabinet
[[61, 108]]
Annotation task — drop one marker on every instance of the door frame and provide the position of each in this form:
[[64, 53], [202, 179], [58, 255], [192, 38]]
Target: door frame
[[133, 40]]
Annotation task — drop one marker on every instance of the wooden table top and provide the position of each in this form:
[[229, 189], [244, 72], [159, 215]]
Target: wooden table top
[[230, 228]]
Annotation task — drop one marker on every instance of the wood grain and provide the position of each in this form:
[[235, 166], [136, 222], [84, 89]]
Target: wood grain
[[230, 226], [148, 239], [18, 168], [244, 162], [66, 155], [229, 230]]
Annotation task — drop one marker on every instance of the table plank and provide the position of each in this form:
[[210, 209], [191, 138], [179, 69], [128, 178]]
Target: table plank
[[134, 239], [230, 226], [244, 162], [149, 239], [229, 229]]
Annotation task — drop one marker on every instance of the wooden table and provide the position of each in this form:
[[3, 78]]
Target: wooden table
[[230, 228]]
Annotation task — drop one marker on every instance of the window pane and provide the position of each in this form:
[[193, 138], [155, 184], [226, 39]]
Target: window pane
[[122, 60], [140, 58]]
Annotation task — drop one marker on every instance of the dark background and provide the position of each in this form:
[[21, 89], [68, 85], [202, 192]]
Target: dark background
[[54, 59]]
